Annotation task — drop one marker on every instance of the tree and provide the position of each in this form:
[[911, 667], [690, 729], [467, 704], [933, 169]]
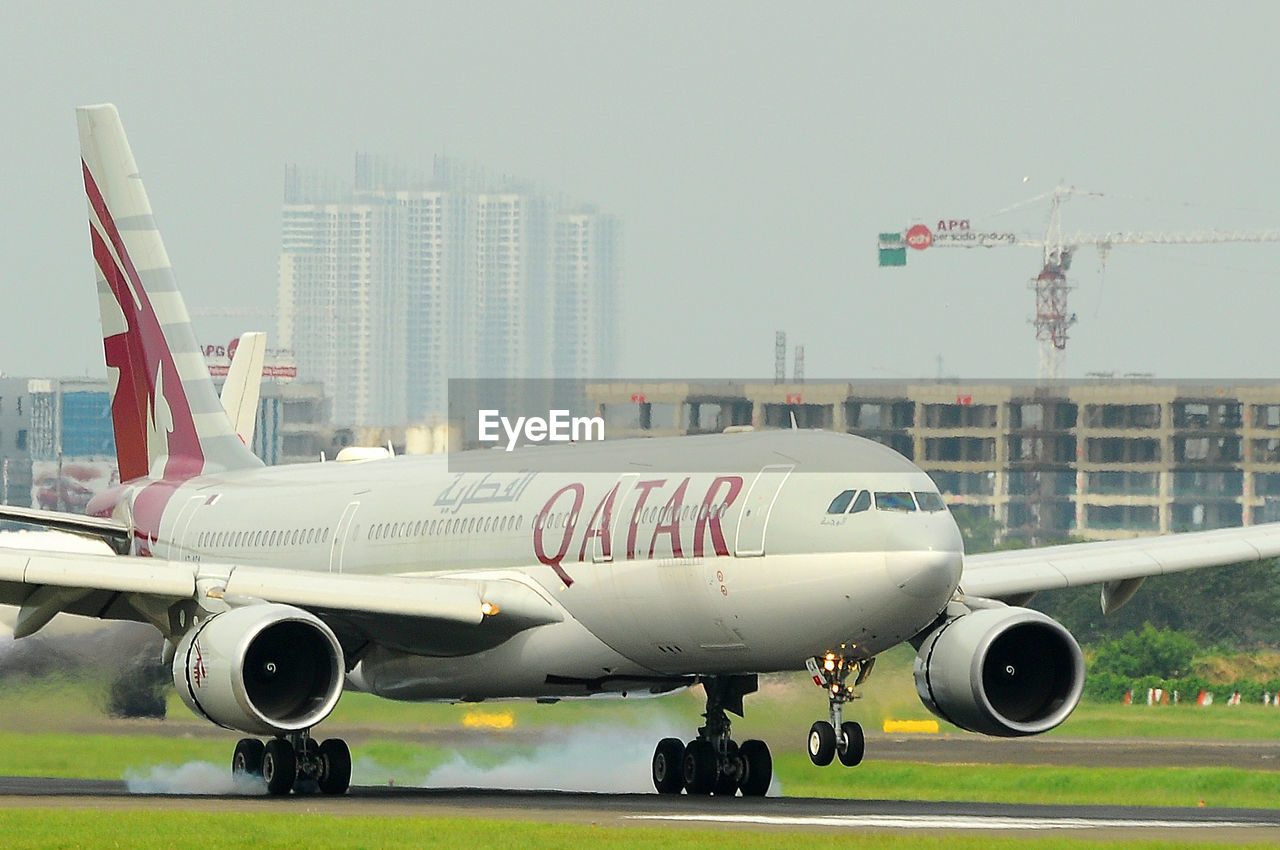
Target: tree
[[1150, 652]]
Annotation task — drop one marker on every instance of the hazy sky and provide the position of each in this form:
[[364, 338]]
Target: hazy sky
[[753, 151]]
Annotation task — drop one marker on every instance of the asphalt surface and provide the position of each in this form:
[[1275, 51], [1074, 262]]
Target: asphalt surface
[[785, 814], [1077, 752]]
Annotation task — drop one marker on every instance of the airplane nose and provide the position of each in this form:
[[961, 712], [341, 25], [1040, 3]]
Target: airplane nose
[[929, 575]]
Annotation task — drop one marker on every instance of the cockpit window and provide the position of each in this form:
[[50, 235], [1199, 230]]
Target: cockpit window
[[895, 502], [930, 502], [841, 503], [862, 503]]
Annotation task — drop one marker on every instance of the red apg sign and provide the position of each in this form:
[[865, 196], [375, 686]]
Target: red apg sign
[[919, 237]]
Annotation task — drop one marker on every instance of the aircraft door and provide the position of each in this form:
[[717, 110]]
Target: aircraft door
[[178, 547], [756, 507], [339, 546]]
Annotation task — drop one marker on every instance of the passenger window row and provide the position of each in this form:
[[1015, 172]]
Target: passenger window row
[[456, 525], [256, 539]]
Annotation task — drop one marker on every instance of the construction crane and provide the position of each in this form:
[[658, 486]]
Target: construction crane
[[1052, 319]]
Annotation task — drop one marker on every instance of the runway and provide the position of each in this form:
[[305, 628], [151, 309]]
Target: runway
[[621, 810]]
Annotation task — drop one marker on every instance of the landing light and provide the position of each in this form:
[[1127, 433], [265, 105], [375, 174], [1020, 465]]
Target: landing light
[[488, 609]]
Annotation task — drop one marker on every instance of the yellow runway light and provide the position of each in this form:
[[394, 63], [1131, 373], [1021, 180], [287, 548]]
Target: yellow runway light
[[928, 727], [489, 720]]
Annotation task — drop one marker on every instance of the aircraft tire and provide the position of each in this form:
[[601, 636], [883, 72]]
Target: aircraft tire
[[279, 767], [247, 758], [701, 767], [853, 746], [822, 743], [668, 766], [758, 772], [335, 767]]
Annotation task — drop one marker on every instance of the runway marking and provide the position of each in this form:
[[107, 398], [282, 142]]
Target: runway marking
[[948, 822]]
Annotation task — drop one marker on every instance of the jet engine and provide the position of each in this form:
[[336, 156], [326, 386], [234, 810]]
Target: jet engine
[[1000, 671], [264, 669]]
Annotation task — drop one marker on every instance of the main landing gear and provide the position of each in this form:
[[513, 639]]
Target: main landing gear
[[294, 762], [837, 737], [713, 763]]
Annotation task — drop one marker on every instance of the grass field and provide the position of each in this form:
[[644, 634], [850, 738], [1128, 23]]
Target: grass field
[[49, 828]]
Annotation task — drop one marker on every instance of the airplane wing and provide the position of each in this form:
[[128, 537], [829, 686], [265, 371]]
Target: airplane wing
[[424, 614], [115, 534], [1120, 565]]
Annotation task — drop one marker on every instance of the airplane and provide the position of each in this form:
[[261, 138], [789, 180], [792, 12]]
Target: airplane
[[674, 562]]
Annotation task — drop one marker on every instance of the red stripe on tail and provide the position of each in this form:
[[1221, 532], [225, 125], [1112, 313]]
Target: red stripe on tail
[[142, 355]]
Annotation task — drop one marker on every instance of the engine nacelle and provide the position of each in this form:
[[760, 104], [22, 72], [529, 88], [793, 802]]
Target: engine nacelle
[[1000, 671], [263, 669]]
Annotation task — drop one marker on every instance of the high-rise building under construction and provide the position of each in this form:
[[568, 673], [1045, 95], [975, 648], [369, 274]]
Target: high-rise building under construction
[[392, 286]]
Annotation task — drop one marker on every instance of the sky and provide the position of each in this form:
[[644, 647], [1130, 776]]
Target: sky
[[752, 150]]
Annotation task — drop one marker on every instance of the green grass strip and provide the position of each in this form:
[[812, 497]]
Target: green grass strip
[[1005, 783], [172, 828], [68, 756]]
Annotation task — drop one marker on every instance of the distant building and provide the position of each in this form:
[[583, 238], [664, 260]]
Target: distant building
[[15, 442], [1095, 458], [57, 448], [389, 288]]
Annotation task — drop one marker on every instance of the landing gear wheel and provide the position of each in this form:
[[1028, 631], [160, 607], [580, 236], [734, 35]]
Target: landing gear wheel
[[668, 769], [822, 743], [701, 767], [757, 768], [731, 770], [852, 744], [334, 774], [279, 767], [247, 759]]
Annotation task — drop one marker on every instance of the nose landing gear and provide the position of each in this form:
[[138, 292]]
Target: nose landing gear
[[713, 763], [837, 737]]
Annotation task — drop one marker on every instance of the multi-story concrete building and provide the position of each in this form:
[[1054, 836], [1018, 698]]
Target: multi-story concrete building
[[391, 287], [584, 281], [292, 424], [1096, 459], [15, 441], [56, 443], [334, 310]]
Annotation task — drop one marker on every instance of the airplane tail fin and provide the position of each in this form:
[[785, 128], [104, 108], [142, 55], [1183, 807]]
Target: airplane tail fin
[[168, 420], [243, 385]]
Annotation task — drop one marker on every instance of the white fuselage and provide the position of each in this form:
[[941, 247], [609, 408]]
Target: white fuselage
[[658, 575]]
